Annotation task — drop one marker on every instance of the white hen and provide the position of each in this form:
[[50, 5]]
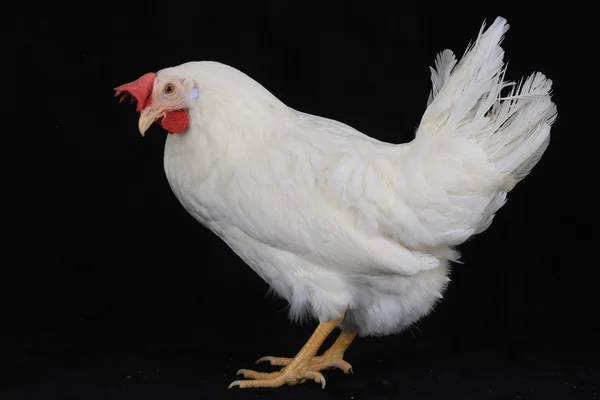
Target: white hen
[[348, 229]]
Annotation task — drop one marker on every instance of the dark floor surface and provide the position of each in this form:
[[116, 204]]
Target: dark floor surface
[[174, 364]]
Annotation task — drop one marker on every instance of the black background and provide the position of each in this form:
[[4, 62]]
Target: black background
[[109, 290]]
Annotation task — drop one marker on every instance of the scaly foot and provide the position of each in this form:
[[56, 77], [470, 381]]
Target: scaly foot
[[296, 370], [291, 377], [332, 358]]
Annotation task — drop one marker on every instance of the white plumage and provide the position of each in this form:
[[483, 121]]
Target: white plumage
[[338, 222]]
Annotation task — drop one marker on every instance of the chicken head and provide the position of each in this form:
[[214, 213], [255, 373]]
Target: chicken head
[[164, 102]]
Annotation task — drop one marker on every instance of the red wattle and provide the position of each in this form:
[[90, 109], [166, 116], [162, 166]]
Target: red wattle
[[175, 121]]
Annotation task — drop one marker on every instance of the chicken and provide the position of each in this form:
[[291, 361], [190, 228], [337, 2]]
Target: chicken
[[350, 230]]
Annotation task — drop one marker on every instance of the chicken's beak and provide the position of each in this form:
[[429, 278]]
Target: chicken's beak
[[147, 118]]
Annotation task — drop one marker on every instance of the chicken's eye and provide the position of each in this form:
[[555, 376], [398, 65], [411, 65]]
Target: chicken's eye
[[169, 88]]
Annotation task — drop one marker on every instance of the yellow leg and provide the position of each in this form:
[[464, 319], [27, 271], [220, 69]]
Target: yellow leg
[[296, 370], [332, 358]]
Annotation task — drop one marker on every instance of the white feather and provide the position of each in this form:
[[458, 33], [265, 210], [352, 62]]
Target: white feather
[[336, 221], [444, 63]]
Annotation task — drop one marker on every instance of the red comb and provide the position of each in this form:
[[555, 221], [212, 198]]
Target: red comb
[[140, 89]]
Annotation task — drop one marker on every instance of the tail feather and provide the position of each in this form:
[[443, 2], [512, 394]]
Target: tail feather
[[521, 123], [479, 136], [444, 63], [466, 101]]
